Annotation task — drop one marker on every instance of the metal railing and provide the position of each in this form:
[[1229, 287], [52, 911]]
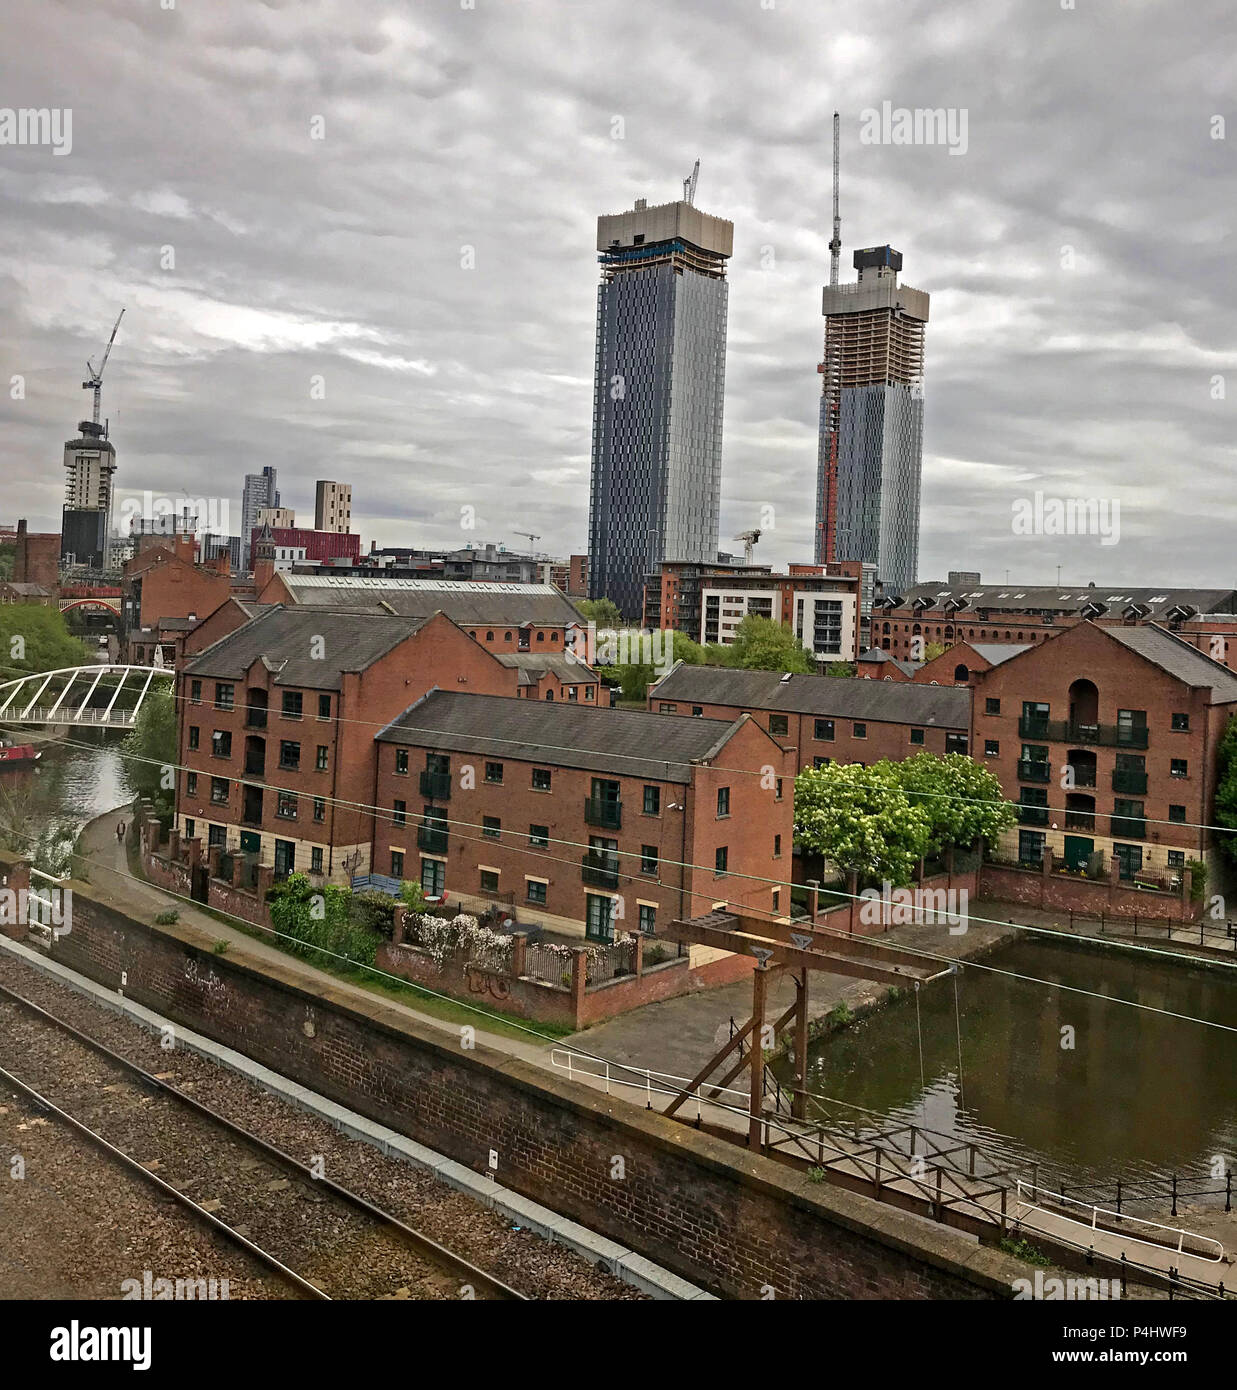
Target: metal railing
[[599, 870], [607, 814], [1034, 770], [1128, 780], [436, 785]]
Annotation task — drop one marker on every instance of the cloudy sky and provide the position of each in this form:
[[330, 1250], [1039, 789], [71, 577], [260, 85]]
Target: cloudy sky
[[429, 260]]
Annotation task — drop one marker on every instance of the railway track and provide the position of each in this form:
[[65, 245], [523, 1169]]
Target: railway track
[[325, 1240]]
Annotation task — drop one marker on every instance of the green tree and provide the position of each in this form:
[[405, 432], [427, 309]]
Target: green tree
[[860, 818], [321, 922], [602, 611], [35, 638], [840, 670], [934, 649], [150, 750], [1226, 791], [7, 555], [763, 645], [962, 800]]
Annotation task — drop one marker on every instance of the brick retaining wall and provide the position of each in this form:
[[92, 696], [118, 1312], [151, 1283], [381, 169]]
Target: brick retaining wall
[[733, 1221]]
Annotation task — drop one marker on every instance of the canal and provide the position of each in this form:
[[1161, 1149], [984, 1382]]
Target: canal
[[1139, 1095], [49, 802]]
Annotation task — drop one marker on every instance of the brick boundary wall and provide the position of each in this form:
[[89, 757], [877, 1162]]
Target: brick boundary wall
[[1041, 888], [730, 1220]]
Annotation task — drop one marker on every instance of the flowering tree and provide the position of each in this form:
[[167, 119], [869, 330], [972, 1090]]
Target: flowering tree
[[860, 818], [962, 800]]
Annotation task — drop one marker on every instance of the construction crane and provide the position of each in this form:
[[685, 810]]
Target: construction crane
[[95, 382], [532, 537], [689, 185], [835, 246], [749, 539]]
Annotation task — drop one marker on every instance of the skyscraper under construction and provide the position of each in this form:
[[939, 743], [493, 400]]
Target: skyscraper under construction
[[871, 420]]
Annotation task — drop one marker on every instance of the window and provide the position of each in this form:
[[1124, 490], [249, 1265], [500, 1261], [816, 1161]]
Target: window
[[320, 764], [819, 761], [189, 829], [216, 835], [491, 827], [191, 784], [992, 748], [861, 731], [648, 859], [324, 706], [721, 859], [493, 772], [319, 808], [292, 704], [1132, 727], [777, 790], [315, 860], [957, 743], [1176, 859], [535, 890], [433, 877], [648, 919], [489, 636], [194, 735], [652, 801], [992, 706], [539, 836], [489, 881], [1130, 857], [697, 711], [285, 806], [397, 863], [195, 693], [665, 708], [1181, 723], [400, 814], [1179, 767], [1031, 847], [723, 801], [1127, 819], [219, 790], [1177, 814], [599, 918], [221, 744], [916, 735], [289, 755], [541, 779], [225, 695], [822, 730], [779, 724], [777, 846], [401, 761]]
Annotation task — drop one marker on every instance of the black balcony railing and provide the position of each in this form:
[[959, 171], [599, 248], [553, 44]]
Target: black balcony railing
[[1083, 776], [607, 814], [1102, 735], [600, 870], [1034, 770], [432, 838], [255, 717], [1033, 815], [1128, 780], [1080, 820], [436, 785], [1128, 828]]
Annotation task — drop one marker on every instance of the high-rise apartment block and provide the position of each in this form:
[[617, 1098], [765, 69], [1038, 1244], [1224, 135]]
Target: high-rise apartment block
[[261, 490], [660, 378], [86, 525], [871, 420], [333, 506]]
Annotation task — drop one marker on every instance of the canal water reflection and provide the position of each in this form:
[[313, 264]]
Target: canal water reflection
[[1139, 1094], [65, 789]]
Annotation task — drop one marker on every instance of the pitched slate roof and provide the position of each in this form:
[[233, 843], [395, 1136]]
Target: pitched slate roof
[[533, 665], [840, 697], [284, 639], [471, 602], [1178, 657], [628, 743], [997, 652], [1069, 598]]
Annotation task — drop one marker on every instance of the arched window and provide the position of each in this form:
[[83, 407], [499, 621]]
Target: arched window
[[961, 674]]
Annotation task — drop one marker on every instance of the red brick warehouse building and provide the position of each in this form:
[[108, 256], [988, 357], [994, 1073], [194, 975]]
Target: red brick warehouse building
[[824, 718], [582, 818], [277, 726], [1106, 737]]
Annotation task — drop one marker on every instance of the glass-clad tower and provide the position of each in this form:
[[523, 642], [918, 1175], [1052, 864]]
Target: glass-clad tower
[[660, 380], [871, 420]]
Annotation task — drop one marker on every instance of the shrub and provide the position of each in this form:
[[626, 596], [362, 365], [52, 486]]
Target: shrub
[[168, 918]]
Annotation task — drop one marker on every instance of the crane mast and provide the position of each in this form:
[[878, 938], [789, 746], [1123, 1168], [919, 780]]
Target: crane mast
[[95, 381], [835, 245]]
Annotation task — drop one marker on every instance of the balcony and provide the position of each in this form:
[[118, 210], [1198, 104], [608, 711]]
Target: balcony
[[1032, 815], [432, 838], [606, 814], [255, 717], [1084, 775], [255, 764], [436, 785], [1125, 828], [1034, 770], [600, 870], [1127, 780], [1101, 735], [1080, 820]]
